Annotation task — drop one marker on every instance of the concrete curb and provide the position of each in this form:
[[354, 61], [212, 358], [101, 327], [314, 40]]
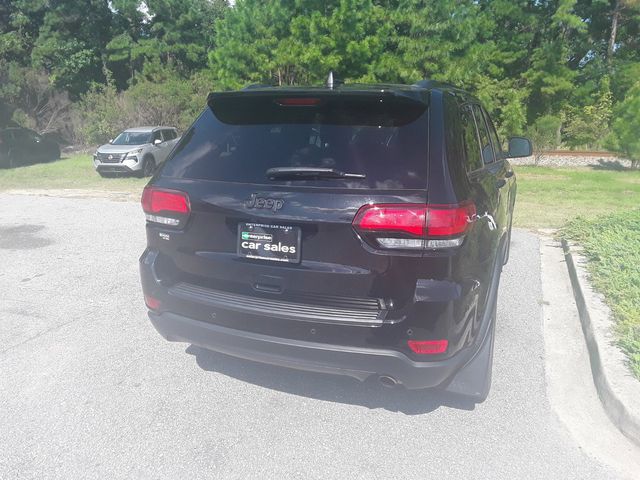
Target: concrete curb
[[619, 392]]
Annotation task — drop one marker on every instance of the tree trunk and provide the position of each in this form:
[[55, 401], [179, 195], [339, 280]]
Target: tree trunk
[[615, 17]]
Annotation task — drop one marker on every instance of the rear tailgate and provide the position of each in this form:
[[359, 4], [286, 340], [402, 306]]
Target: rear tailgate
[[281, 246]]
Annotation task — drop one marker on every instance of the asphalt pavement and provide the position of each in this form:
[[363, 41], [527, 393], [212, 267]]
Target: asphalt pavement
[[88, 389]]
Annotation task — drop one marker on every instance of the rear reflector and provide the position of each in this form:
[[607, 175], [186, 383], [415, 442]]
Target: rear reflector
[[428, 347], [168, 207], [151, 302]]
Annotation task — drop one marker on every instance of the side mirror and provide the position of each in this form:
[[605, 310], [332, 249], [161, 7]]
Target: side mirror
[[111, 140], [157, 141], [519, 147]]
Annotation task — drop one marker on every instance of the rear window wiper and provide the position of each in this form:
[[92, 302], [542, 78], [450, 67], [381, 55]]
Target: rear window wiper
[[304, 173]]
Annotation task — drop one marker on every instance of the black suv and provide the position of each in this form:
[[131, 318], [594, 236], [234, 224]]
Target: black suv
[[352, 229], [21, 146]]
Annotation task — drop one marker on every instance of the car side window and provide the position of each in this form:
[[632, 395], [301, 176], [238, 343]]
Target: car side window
[[495, 140], [23, 135], [485, 143], [157, 135], [170, 134], [470, 139]]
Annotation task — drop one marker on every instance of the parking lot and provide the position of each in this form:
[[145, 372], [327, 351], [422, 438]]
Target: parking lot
[[89, 390]]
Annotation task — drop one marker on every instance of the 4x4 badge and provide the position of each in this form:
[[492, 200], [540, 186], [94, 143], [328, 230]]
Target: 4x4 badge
[[255, 201]]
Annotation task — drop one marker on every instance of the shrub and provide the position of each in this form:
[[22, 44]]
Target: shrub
[[99, 115], [544, 134]]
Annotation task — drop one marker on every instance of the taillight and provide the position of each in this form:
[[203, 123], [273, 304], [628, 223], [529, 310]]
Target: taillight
[[392, 218], [449, 220], [428, 347], [168, 207], [414, 226]]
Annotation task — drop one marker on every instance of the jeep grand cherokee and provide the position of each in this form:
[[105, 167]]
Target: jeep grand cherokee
[[353, 229]]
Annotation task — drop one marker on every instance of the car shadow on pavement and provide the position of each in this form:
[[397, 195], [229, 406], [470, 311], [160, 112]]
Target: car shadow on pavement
[[332, 388]]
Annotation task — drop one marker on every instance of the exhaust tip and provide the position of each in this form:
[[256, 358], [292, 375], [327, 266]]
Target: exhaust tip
[[387, 381]]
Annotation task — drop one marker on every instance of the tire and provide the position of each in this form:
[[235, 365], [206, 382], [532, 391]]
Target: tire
[[4, 160], [11, 160], [148, 167], [56, 154], [489, 372], [473, 381]]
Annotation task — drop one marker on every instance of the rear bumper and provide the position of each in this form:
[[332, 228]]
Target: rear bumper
[[359, 363]]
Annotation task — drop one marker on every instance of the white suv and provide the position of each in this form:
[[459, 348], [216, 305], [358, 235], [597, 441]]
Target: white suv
[[136, 150]]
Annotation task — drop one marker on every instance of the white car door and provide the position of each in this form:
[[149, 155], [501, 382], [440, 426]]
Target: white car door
[[158, 149], [168, 142]]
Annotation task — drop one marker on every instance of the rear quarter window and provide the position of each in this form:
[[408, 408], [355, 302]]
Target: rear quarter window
[[483, 133], [495, 140], [391, 152], [473, 157]]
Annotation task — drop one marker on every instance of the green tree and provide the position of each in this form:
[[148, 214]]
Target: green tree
[[527, 60], [71, 41], [551, 77], [625, 138], [296, 42], [588, 126], [178, 33]]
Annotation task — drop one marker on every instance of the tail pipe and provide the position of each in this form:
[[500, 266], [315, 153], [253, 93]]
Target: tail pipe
[[387, 381]]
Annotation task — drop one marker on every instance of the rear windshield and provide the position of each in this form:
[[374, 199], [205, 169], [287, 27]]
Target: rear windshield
[[238, 140]]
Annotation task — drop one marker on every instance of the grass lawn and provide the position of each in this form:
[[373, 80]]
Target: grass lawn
[[75, 172], [549, 197], [612, 245]]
